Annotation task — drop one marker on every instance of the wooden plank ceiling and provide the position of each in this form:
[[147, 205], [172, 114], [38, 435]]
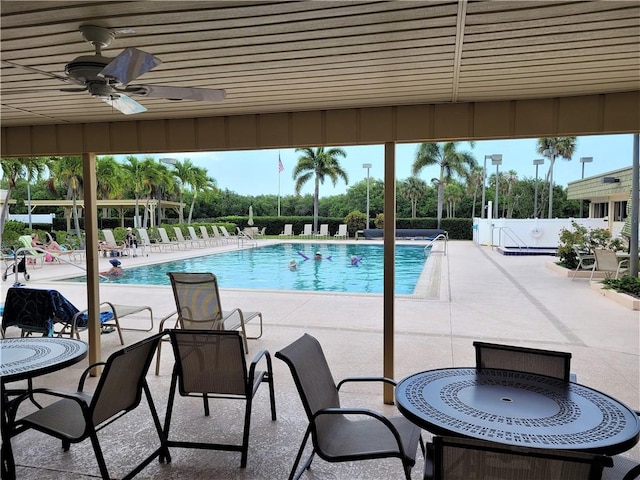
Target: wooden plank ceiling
[[293, 56]]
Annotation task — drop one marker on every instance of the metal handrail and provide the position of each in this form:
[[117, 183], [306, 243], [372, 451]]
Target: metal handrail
[[429, 245], [511, 235]]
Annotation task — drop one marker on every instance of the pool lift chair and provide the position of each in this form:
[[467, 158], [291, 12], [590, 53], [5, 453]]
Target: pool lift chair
[[341, 434], [199, 307]]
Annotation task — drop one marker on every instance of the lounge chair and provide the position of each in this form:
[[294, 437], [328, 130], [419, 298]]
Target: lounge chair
[[523, 359], [324, 231], [166, 241], [195, 239], [110, 246], [225, 233], [33, 255], [76, 416], [206, 237], [218, 235], [306, 231], [260, 232], [146, 243], [188, 243], [342, 232], [343, 434], [608, 262], [586, 261], [40, 311], [210, 364], [198, 307], [288, 230], [464, 458]]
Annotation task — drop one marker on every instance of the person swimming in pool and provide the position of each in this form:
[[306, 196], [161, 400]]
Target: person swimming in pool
[[317, 256], [293, 265], [355, 260]]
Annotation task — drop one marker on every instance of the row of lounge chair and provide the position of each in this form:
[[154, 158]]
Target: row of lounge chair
[[307, 231], [166, 243]]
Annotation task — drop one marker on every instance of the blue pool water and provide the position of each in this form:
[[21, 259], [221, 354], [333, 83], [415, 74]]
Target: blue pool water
[[267, 268]]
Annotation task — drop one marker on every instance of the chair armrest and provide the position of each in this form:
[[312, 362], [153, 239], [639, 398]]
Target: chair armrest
[[366, 379], [164, 319], [252, 368], [86, 371]]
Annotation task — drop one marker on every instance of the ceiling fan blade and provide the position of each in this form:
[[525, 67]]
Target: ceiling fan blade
[[178, 93], [35, 70], [129, 65], [124, 104]]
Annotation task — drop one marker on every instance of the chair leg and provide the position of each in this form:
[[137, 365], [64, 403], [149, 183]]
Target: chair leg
[[98, 452], [307, 464], [245, 433], [205, 401], [164, 450]]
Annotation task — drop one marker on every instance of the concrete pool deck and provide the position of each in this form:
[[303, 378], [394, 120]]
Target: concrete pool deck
[[475, 293]]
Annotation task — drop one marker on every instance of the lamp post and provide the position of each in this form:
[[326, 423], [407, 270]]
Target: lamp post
[[537, 162], [29, 204], [584, 160], [167, 161], [551, 153], [497, 161], [483, 213], [367, 166]]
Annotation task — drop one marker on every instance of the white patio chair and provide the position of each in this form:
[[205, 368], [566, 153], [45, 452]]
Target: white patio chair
[[145, 242], [180, 238], [306, 231], [205, 236], [288, 231], [608, 262], [110, 244], [342, 231], [166, 241], [195, 239], [324, 231]]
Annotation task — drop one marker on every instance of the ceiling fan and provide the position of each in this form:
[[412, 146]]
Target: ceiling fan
[[109, 78]]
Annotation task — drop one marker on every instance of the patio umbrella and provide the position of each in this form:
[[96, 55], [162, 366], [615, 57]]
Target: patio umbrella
[[250, 221]]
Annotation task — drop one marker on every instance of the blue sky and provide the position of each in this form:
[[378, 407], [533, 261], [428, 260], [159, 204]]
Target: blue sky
[[256, 172]]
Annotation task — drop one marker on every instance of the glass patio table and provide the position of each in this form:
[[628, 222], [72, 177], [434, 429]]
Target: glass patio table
[[517, 408], [23, 359]]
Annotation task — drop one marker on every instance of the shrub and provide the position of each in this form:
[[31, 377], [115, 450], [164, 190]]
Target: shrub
[[585, 240], [355, 221], [628, 284], [379, 220]]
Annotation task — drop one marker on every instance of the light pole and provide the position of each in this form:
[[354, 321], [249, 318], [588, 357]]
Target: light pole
[[483, 213], [367, 166], [497, 161], [29, 203], [584, 160], [551, 153], [167, 161], [537, 162]]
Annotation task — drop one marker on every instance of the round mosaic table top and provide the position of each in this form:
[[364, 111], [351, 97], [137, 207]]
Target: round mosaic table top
[[28, 357], [517, 408]]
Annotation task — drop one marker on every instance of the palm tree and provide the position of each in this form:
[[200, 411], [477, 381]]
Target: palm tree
[[453, 194], [14, 169], [68, 172], [200, 182], [450, 161], [476, 177], [136, 181], [414, 189], [318, 164], [110, 182], [563, 147], [511, 178], [184, 172]]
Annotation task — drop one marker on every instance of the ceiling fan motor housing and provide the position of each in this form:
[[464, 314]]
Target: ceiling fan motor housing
[[86, 68]]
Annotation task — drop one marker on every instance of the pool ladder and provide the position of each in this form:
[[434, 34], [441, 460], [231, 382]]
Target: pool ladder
[[441, 236]]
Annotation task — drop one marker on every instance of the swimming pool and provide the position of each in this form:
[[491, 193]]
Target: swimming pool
[[267, 268]]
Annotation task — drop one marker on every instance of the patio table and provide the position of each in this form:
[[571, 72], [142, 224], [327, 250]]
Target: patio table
[[23, 359], [517, 408]]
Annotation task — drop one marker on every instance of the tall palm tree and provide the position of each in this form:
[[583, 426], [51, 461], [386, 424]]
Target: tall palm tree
[[14, 169], [476, 177], [110, 180], [453, 194], [414, 189], [450, 161], [511, 179], [318, 164], [184, 172], [135, 171], [199, 182], [68, 172], [564, 147]]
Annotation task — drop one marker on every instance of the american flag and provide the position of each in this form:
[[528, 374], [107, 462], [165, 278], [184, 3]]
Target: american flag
[[280, 166]]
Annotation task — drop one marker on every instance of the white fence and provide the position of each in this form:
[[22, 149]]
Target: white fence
[[35, 218]]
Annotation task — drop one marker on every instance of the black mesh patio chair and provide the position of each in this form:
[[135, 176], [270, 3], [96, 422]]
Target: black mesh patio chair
[[471, 459], [523, 359], [212, 364], [199, 307], [80, 415], [341, 434]]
